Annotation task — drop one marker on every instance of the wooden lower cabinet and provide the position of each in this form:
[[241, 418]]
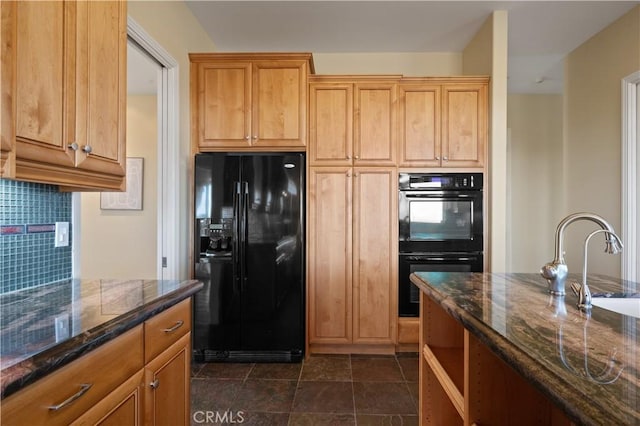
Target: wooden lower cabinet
[[352, 276], [167, 379], [123, 406], [114, 385], [463, 383]]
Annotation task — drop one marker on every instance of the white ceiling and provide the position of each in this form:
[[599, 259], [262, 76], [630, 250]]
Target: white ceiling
[[541, 33]]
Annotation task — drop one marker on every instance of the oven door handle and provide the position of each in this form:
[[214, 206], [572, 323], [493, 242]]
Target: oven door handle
[[437, 259], [434, 195]]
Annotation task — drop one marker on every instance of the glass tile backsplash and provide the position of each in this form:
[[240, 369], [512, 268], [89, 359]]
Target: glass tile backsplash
[[28, 213]]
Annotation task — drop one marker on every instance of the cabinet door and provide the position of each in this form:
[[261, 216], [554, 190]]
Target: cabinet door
[[123, 406], [330, 266], [100, 92], [223, 104], [45, 82], [330, 124], [279, 104], [375, 123], [167, 384], [419, 121], [464, 125], [374, 256], [7, 89]]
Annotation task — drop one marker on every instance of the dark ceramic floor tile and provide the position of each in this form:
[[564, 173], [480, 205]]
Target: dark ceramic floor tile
[[261, 395], [376, 369], [409, 367], [221, 370], [383, 398], [323, 397], [414, 390], [321, 419], [327, 367], [195, 368], [276, 371], [213, 394], [254, 418], [386, 420]]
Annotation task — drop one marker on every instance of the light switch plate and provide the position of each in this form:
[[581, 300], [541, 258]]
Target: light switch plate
[[62, 234]]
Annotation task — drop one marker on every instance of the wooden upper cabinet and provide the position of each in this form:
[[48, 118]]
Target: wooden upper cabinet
[[7, 90], [71, 92], [331, 124], [464, 124], [419, 124], [249, 101], [375, 123], [352, 121], [443, 122]]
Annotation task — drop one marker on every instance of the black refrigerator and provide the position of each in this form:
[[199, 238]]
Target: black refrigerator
[[249, 252]]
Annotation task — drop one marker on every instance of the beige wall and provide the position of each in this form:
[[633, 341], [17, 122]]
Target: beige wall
[[126, 238], [592, 155], [486, 54], [408, 64], [534, 178], [172, 25]]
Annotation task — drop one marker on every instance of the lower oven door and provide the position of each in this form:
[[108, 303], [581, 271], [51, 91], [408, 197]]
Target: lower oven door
[[408, 294]]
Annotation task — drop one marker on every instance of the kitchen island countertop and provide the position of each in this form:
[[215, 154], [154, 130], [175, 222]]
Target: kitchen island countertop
[[588, 365], [44, 328]]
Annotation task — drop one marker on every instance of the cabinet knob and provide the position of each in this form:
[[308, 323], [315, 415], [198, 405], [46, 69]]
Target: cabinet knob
[[255, 137], [73, 146], [357, 157], [87, 149], [445, 158], [348, 157], [247, 137], [437, 157], [155, 384]]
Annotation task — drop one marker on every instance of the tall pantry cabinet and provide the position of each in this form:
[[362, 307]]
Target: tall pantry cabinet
[[352, 215]]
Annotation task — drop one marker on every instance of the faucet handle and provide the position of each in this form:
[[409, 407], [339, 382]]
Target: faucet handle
[[576, 287]]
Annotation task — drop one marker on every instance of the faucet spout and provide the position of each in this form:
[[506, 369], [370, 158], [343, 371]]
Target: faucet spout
[[555, 272]]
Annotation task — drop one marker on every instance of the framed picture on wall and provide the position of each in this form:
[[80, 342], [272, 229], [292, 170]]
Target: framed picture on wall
[[131, 199]]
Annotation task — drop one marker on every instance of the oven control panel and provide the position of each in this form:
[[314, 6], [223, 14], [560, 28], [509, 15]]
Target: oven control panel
[[440, 181]]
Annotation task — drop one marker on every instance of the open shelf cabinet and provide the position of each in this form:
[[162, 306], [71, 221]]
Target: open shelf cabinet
[[463, 383]]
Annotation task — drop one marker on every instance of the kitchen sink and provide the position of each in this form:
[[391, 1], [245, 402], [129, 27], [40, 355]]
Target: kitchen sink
[[622, 305]]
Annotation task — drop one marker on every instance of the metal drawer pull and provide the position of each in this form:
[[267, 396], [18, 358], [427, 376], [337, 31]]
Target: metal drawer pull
[[174, 328], [83, 389], [155, 384]]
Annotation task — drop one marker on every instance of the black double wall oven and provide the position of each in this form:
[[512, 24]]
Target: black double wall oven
[[440, 229]]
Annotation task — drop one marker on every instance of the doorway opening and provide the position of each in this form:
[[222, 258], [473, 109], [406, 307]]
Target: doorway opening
[[141, 243], [631, 177]]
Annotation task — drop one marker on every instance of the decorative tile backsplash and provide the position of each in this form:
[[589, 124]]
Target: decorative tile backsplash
[[28, 213]]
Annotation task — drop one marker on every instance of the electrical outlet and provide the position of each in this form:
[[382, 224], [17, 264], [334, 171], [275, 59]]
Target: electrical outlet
[[62, 234], [62, 327]]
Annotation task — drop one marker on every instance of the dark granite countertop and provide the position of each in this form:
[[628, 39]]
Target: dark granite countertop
[[588, 365], [95, 311]]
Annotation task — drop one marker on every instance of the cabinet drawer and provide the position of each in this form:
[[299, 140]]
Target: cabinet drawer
[[166, 328], [103, 369]]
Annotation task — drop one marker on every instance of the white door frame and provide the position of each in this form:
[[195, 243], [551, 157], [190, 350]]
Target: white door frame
[[168, 135], [630, 178]]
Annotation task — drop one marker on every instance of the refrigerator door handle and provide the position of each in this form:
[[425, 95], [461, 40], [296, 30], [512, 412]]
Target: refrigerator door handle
[[237, 219], [244, 229]]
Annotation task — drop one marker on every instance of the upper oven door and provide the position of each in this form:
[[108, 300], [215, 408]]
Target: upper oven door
[[436, 221]]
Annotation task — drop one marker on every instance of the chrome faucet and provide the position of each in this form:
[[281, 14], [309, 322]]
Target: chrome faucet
[[582, 289], [555, 272]]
